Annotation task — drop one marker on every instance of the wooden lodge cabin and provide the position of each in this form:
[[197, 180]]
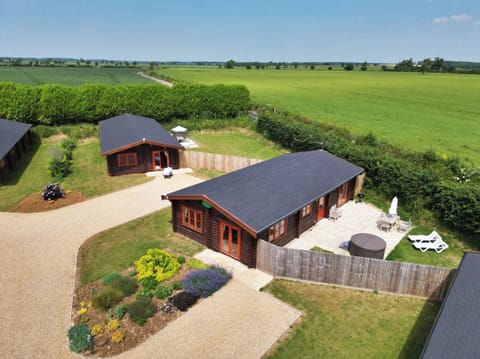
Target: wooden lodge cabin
[[455, 332], [275, 200], [136, 144], [15, 139]]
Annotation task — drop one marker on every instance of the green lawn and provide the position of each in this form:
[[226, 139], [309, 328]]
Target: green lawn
[[236, 142], [420, 112], [117, 248], [29, 176], [346, 323], [71, 75]]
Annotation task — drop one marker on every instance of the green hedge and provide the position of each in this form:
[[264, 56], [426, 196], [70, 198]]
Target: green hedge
[[418, 179], [53, 104]]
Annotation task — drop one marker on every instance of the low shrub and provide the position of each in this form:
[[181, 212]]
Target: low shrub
[[168, 307], [120, 311], [183, 300], [181, 259], [117, 337], [110, 277], [157, 264], [127, 285], [60, 164], [97, 329], [196, 264], [132, 273], [113, 325], [140, 310], [205, 282], [177, 285], [149, 283], [162, 292], [52, 191], [80, 338], [45, 131], [106, 298], [145, 293]]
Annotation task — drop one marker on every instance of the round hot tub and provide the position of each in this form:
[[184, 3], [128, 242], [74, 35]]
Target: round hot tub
[[367, 245]]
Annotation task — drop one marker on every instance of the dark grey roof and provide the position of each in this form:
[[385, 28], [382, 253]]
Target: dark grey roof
[[10, 133], [262, 194], [126, 131], [456, 332]]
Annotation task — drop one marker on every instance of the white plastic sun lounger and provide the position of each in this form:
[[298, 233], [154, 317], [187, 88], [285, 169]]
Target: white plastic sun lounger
[[421, 237], [437, 245]]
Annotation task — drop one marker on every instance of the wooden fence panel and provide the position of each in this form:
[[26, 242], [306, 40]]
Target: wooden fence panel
[[357, 272], [213, 161]]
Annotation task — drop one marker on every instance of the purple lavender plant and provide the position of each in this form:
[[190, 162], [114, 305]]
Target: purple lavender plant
[[205, 282]]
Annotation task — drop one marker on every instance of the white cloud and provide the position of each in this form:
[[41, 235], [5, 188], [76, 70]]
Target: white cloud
[[461, 18], [441, 20], [454, 18]]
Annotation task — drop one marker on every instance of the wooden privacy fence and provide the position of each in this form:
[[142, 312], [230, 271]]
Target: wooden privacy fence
[[212, 161], [357, 272]]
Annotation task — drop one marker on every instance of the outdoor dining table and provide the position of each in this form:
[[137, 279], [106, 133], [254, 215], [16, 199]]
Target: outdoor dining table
[[388, 221]]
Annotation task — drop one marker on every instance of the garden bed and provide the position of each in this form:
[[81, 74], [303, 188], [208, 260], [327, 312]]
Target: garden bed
[[134, 334], [35, 203], [113, 330]]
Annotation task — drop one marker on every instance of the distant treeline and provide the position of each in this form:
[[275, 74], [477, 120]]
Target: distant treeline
[[448, 187], [436, 65], [59, 104]]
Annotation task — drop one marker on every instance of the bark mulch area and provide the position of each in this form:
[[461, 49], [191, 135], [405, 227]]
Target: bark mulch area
[[35, 203], [134, 333]]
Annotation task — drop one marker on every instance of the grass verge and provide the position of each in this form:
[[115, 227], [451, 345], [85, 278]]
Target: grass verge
[[236, 142], [117, 248], [346, 323]]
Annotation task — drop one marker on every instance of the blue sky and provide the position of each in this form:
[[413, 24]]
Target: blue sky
[[243, 30]]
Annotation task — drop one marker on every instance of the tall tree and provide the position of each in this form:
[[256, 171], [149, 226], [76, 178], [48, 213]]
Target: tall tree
[[230, 64]]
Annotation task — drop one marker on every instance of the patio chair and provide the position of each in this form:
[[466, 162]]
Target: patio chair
[[421, 237], [334, 213], [438, 245], [404, 226]]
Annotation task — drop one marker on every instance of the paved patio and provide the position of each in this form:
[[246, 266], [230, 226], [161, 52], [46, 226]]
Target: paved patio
[[356, 218]]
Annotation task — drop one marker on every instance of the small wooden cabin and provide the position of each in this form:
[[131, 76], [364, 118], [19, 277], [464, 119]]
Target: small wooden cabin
[[275, 201], [455, 332], [15, 139], [136, 144]]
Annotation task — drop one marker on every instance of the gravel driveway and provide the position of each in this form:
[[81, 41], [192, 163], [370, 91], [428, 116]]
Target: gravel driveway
[[38, 255]]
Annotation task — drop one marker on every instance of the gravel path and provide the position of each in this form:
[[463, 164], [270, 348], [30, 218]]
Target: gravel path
[[38, 257], [160, 81]]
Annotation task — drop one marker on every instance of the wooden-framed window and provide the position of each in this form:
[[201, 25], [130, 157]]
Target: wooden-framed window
[[307, 210], [127, 159], [277, 230], [192, 218]]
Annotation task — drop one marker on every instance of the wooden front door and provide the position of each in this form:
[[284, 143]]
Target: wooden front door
[[321, 208], [230, 240], [342, 194], [159, 159]]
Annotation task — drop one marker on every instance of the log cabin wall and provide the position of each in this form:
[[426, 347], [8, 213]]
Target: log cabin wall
[[144, 156]]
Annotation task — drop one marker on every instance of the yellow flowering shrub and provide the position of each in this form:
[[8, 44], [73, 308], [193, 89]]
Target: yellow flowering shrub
[[97, 329], [113, 325], [117, 337], [157, 264], [83, 308]]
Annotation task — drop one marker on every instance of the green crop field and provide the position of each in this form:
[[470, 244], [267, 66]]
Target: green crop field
[[439, 112], [71, 75]]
